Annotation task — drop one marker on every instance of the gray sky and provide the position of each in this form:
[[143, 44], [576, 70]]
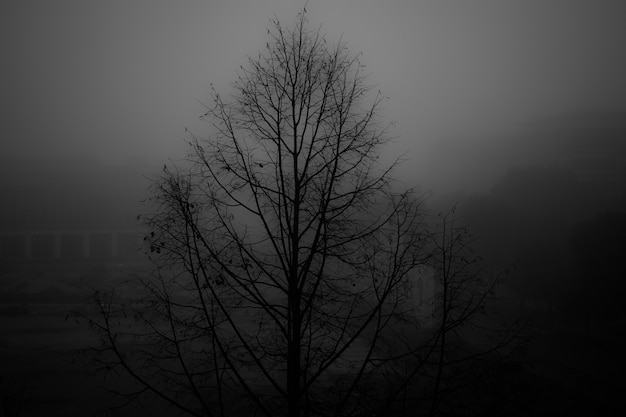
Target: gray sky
[[121, 79]]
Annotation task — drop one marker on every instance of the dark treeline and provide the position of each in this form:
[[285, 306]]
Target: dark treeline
[[556, 224]]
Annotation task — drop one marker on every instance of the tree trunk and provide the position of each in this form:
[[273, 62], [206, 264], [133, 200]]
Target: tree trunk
[[293, 363]]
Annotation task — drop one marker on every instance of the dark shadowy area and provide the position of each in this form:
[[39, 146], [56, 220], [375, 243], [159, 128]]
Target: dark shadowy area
[[557, 224], [40, 365]]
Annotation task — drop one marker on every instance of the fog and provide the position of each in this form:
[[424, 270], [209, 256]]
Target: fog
[[513, 111], [119, 80]]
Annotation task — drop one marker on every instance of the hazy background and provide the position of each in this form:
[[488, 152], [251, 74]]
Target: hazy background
[[96, 95], [118, 80]]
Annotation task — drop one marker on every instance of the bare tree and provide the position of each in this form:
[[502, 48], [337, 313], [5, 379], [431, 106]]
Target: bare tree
[[469, 345], [459, 358], [285, 256]]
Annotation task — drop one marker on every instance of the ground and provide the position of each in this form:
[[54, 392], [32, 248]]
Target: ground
[[569, 369]]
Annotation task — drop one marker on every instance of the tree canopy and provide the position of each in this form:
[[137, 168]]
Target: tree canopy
[[287, 258]]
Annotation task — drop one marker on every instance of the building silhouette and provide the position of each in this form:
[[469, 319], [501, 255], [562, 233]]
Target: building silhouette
[[69, 209]]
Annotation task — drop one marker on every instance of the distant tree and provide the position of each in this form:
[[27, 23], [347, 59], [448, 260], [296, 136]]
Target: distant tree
[[472, 346], [525, 221], [597, 245], [286, 260]]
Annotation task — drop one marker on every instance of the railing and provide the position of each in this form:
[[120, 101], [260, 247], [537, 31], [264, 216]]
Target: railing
[[69, 245]]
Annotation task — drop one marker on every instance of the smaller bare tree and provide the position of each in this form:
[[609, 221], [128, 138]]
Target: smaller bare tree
[[458, 358]]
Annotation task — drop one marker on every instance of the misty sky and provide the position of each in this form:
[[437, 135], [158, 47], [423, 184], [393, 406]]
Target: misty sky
[[122, 79]]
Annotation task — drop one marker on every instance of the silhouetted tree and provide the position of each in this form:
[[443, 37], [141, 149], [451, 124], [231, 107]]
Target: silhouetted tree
[[286, 261]]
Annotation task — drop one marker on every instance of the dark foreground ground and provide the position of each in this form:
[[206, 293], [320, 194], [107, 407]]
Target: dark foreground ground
[[43, 373], [570, 369]]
